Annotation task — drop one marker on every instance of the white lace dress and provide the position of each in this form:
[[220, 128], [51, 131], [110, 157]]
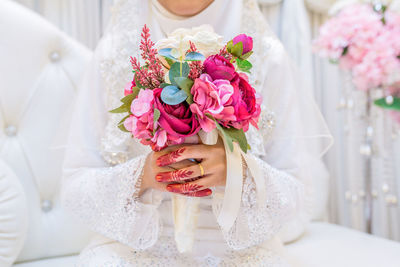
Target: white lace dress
[[103, 165]]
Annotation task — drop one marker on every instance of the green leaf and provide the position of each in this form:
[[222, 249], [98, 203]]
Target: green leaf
[[345, 51], [167, 53], [247, 55], [172, 95], [122, 109], [244, 65], [157, 115], [163, 85], [122, 121], [229, 46], [228, 140], [186, 85], [238, 136], [237, 49], [194, 56], [176, 69], [122, 128], [169, 61], [383, 104], [234, 135], [127, 100]]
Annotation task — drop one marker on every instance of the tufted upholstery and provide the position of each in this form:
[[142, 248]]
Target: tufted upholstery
[[39, 71]]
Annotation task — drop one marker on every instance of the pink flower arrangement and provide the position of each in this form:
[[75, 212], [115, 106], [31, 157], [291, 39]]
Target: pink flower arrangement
[[365, 41], [199, 94]]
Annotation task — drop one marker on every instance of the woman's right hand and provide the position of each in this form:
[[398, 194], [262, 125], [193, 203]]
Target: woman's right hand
[[151, 169]]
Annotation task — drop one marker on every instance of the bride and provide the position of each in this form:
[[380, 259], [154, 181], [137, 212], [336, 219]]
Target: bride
[[123, 191]]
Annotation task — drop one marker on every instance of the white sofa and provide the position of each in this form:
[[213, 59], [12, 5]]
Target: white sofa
[[39, 70]]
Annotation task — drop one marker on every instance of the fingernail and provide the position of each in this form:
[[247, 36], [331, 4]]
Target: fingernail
[[159, 178]]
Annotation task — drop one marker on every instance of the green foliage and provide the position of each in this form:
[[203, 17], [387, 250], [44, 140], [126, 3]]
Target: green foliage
[[234, 135], [172, 95], [186, 85], [178, 69], [383, 104], [194, 56], [244, 65], [235, 50]]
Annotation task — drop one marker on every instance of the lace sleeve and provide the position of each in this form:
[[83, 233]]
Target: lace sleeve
[[106, 199], [256, 223]]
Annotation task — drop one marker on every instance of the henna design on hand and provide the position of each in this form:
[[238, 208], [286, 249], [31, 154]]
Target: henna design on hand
[[202, 193], [184, 188], [174, 176], [170, 158]]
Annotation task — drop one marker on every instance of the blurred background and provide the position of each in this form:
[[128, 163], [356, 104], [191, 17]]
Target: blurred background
[[364, 178]]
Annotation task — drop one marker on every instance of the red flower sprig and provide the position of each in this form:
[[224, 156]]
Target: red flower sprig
[[151, 75], [224, 53], [196, 67]]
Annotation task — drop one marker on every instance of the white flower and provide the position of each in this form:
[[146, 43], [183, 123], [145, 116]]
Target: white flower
[[206, 40]]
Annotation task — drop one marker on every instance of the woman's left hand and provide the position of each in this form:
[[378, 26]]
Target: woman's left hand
[[190, 181]]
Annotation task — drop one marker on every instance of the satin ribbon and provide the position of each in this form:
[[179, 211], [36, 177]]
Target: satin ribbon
[[185, 209], [234, 180]]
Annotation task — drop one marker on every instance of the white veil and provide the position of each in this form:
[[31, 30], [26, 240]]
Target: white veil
[[291, 120]]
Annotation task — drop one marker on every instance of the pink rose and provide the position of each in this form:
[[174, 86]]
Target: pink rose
[[208, 99], [243, 107], [178, 121], [247, 42], [175, 122], [219, 68]]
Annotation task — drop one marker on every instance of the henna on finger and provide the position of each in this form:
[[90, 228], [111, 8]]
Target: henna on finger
[[184, 188], [201, 193], [170, 158], [174, 176]]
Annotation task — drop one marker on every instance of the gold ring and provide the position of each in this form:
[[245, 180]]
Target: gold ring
[[201, 169]]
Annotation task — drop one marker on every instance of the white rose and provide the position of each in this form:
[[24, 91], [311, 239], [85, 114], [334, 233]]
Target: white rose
[[204, 37]]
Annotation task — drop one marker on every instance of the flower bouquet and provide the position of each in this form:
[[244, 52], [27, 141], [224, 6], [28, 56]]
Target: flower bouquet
[[178, 91], [364, 39], [191, 83]]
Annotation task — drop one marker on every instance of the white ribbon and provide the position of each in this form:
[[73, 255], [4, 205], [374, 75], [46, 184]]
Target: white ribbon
[[185, 209], [234, 180]]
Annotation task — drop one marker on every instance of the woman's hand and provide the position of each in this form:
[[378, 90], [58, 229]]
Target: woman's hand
[[151, 169], [188, 180]]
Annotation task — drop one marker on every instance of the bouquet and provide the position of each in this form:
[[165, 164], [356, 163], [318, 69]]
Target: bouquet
[[365, 39], [190, 83]]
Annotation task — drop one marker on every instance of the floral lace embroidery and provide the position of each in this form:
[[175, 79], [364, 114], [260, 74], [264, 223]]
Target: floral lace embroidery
[[104, 199]]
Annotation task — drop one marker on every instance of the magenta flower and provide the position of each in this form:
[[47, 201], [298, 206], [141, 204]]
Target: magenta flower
[[219, 68], [247, 42]]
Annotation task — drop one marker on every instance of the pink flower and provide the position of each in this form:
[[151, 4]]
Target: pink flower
[[247, 42], [129, 88], [178, 121], [219, 68], [243, 107], [209, 98], [143, 104]]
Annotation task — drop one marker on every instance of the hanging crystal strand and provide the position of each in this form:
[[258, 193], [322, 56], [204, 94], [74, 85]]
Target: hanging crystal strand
[[366, 151]]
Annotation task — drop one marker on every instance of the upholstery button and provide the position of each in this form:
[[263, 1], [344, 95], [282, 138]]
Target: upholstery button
[[11, 130], [47, 205], [55, 56]]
